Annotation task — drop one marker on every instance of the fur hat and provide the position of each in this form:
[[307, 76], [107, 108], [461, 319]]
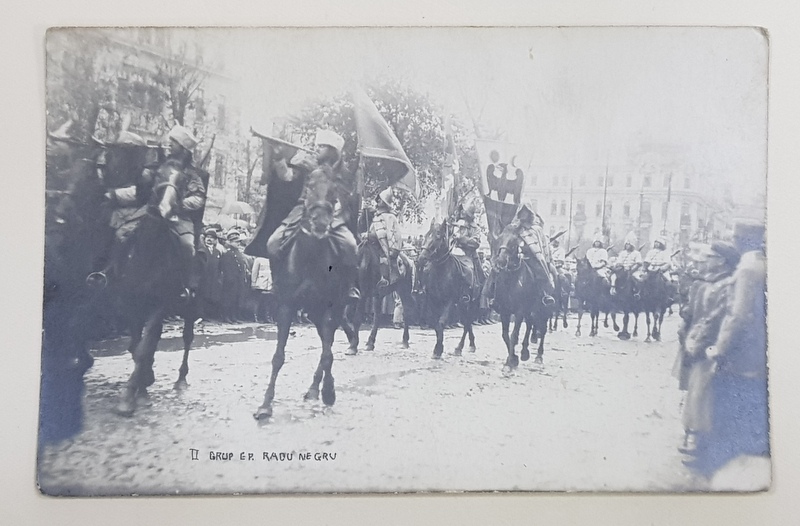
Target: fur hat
[[183, 137], [386, 196], [630, 239], [329, 138]]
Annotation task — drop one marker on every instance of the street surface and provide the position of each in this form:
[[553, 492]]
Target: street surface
[[599, 415]]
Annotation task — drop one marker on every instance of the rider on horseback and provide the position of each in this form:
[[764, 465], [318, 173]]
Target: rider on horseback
[[131, 203], [658, 260], [467, 239], [628, 260], [527, 225], [598, 259], [384, 232], [324, 189]]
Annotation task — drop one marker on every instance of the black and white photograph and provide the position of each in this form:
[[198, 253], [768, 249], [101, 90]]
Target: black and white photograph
[[385, 259]]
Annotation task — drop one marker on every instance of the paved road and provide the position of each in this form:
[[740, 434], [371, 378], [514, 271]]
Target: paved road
[[598, 414]]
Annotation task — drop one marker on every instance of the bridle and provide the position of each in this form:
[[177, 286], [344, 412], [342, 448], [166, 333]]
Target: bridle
[[430, 255]]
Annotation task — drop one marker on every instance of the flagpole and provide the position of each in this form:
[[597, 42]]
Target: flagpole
[[669, 198], [605, 194], [571, 193]]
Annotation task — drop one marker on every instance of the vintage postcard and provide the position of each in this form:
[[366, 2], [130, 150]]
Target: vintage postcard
[[336, 260]]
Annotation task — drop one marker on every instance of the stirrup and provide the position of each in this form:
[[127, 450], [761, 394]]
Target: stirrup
[[97, 279], [548, 300], [383, 283], [354, 294]]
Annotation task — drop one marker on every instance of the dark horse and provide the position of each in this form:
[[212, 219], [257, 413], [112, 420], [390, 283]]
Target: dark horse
[[369, 276], [655, 292], [560, 309], [627, 297], [592, 295], [312, 277], [517, 294], [448, 280], [149, 287], [76, 232]]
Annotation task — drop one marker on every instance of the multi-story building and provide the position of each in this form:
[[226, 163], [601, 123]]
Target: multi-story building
[[131, 70], [585, 200]]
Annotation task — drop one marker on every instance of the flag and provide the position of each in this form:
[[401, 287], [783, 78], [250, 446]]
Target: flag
[[449, 171], [503, 167], [377, 140]]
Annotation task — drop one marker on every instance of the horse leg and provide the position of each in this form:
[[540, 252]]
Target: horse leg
[[471, 339], [658, 319], [564, 310], [635, 324], [323, 372], [373, 333], [352, 335], [188, 338], [594, 316], [605, 321], [283, 319], [525, 354], [143, 356], [441, 321], [623, 334], [614, 321], [647, 317], [460, 347], [512, 360], [540, 350], [407, 302]]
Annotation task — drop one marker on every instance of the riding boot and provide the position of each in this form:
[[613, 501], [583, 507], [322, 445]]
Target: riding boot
[[117, 254], [548, 285]]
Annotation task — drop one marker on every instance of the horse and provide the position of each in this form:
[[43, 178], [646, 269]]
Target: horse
[[311, 276], [517, 294], [448, 280], [564, 288], [148, 287], [655, 300], [369, 278], [593, 295], [76, 229], [627, 297]]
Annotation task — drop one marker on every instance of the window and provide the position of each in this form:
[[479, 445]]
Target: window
[[581, 207], [553, 208], [629, 181], [626, 209], [600, 181], [563, 208], [219, 171], [609, 209], [598, 209], [610, 180], [583, 180], [687, 183], [564, 180], [555, 180], [666, 181], [685, 208], [647, 181]]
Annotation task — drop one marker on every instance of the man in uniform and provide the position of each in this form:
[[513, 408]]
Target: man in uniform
[[324, 190], [384, 232], [557, 250], [598, 259], [467, 239], [131, 205], [527, 225], [658, 259], [629, 258]]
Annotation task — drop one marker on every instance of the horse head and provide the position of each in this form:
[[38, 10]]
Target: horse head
[[436, 244], [508, 251]]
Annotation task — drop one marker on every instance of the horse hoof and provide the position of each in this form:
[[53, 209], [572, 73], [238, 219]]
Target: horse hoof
[[180, 385], [263, 412], [312, 394], [605, 324], [565, 324], [437, 356], [624, 336], [538, 360], [525, 355], [369, 348], [329, 395], [457, 352], [635, 334], [404, 345], [647, 340], [471, 348], [577, 333], [506, 369], [351, 352]]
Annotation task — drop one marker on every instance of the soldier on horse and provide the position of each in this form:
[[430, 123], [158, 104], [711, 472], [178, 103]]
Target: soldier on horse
[[130, 205], [466, 240], [384, 236], [536, 247]]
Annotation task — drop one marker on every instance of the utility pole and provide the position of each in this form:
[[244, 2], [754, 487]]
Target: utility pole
[[571, 191], [605, 194]]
